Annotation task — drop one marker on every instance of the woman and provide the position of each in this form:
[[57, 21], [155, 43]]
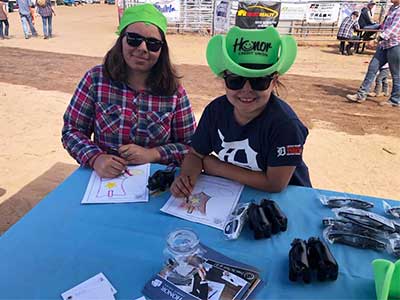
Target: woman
[[133, 104], [45, 10], [257, 137]]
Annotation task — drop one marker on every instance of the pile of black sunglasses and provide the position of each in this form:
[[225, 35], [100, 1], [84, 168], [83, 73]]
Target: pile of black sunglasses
[[359, 228], [393, 211], [266, 219], [312, 258], [161, 180]]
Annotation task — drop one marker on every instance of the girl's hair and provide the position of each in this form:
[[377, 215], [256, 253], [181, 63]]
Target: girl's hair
[[280, 89], [163, 79]]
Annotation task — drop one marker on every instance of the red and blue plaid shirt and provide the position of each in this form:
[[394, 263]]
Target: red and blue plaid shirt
[[117, 115], [347, 28], [391, 28]]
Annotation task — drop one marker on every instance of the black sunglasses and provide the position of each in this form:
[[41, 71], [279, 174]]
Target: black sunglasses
[[349, 202], [236, 82], [134, 40], [356, 240]]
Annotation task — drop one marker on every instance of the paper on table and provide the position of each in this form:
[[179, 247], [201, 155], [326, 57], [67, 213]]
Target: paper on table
[[96, 287], [211, 203], [128, 187]]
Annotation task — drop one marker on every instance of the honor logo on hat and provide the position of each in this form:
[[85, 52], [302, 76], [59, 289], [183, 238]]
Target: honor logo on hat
[[242, 45], [255, 47]]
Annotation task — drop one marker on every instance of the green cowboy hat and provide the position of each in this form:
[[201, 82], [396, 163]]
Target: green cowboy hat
[[146, 13], [251, 52]]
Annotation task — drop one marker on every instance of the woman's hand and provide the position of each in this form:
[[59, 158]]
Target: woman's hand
[[109, 166], [138, 155]]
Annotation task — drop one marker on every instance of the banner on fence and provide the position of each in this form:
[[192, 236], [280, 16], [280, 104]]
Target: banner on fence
[[347, 8], [322, 12], [222, 12], [258, 14], [293, 11], [170, 8]]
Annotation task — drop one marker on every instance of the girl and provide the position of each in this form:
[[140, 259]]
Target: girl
[[133, 104], [257, 138]]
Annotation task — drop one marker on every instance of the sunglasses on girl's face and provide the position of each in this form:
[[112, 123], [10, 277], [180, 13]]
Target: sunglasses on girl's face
[[236, 82], [134, 40]]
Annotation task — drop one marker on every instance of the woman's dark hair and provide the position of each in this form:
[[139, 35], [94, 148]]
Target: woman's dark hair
[[163, 79]]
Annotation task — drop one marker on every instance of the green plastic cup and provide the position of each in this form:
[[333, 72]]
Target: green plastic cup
[[387, 279]]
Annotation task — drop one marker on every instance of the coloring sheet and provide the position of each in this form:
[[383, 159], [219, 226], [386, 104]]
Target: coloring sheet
[[128, 187], [211, 202]]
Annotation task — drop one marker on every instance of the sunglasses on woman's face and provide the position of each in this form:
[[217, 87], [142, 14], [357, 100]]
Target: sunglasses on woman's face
[[236, 82], [134, 40]]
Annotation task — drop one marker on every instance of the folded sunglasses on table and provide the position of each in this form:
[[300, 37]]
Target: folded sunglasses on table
[[336, 202]]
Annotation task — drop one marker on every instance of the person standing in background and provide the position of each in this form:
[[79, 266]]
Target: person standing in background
[[388, 51], [45, 10], [32, 11], [24, 7], [3, 21], [381, 82]]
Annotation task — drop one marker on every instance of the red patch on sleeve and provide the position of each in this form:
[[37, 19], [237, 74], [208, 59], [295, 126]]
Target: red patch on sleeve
[[294, 150]]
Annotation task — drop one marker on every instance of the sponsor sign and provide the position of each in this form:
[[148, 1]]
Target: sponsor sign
[[222, 16], [293, 11], [170, 8], [322, 12], [257, 15]]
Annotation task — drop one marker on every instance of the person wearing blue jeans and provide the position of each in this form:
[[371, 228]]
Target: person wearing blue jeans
[[26, 19], [381, 82], [47, 26], [388, 51], [3, 20], [46, 12]]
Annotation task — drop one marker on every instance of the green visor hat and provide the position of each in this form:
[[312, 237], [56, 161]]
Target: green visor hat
[[251, 52], [146, 13]]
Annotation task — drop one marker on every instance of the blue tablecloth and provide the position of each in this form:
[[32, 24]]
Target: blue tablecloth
[[61, 243]]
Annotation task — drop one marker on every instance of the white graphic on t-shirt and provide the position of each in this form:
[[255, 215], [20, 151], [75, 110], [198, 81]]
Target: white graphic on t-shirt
[[281, 151], [229, 150]]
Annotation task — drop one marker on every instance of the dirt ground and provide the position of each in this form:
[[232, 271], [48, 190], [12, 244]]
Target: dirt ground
[[353, 148]]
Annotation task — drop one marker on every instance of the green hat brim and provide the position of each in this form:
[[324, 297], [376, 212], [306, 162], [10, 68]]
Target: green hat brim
[[219, 59]]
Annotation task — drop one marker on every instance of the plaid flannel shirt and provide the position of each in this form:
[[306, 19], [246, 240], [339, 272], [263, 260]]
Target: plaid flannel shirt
[[347, 28], [391, 28], [117, 115]]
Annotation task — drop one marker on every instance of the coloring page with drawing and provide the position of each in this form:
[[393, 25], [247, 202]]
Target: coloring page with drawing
[[128, 187], [211, 202]]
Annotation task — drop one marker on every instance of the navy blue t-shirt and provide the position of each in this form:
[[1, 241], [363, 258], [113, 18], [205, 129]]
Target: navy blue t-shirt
[[274, 138]]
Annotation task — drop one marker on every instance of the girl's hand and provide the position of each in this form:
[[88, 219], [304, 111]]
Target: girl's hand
[[137, 155], [109, 166], [182, 186]]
